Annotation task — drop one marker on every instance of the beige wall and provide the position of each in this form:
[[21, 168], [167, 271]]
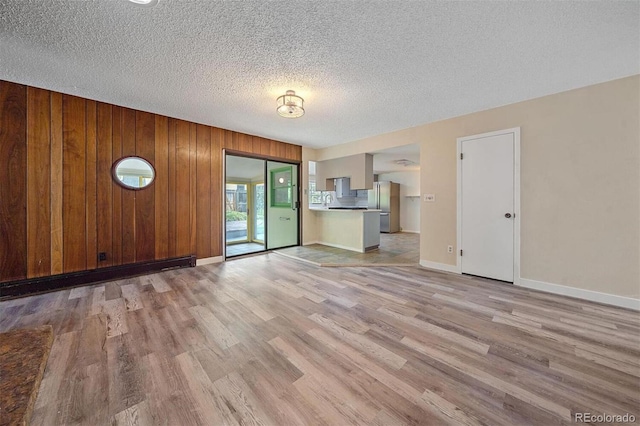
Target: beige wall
[[580, 183], [409, 204], [309, 226]]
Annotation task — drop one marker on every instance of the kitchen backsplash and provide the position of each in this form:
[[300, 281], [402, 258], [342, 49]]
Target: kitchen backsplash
[[345, 201]]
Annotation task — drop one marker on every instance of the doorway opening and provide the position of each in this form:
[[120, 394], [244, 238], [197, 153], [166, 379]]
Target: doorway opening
[[261, 205]]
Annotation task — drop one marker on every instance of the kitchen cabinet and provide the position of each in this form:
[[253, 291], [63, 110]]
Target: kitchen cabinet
[[356, 230], [358, 168]]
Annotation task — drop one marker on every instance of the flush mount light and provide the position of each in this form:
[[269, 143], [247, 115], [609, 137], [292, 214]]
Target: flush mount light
[[290, 105], [144, 2], [405, 162]]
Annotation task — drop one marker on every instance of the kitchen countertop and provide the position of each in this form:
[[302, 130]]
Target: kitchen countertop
[[325, 209]]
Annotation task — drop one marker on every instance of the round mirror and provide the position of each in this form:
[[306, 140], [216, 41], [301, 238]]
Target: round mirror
[[133, 172]]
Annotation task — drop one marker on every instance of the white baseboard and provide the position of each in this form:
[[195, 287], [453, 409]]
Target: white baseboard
[[439, 266], [209, 260], [408, 231], [594, 296], [308, 243]]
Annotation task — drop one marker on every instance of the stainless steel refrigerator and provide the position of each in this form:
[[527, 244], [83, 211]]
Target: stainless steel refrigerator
[[385, 196]]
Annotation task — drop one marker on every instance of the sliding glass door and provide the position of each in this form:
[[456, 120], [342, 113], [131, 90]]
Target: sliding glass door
[[261, 205]]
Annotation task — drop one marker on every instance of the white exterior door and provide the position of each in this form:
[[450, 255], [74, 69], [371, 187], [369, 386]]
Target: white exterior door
[[487, 172]]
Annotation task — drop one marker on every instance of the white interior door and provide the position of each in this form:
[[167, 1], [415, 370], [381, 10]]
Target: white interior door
[[488, 206]]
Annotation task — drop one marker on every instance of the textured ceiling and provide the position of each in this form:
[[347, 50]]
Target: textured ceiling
[[384, 161], [363, 68]]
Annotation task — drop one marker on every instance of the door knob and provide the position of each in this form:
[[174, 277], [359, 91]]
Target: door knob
[[507, 215]]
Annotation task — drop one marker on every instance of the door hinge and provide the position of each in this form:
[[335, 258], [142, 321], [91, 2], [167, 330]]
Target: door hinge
[[460, 252], [461, 156]]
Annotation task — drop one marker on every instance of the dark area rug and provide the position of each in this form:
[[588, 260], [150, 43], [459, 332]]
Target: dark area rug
[[23, 357]]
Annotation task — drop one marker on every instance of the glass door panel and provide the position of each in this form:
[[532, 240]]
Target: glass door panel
[[258, 212], [236, 212], [282, 205], [245, 205]]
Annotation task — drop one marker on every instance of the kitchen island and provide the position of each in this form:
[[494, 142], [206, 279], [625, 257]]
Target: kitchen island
[[356, 230]]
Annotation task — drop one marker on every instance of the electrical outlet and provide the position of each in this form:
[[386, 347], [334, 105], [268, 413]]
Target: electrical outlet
[[449, 249], [102, 256]]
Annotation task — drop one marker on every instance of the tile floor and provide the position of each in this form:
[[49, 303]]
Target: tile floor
[[244, 248], [399, 249]]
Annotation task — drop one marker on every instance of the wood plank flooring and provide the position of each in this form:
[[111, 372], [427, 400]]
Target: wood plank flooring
[[268, 340]]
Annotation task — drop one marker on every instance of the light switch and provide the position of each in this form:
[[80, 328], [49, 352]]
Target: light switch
[[429, 198]]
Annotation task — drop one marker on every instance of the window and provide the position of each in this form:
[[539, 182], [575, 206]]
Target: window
[[315, 197], [281, 187]]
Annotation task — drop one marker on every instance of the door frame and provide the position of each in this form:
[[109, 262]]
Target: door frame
[[516, 197], [266, 158]]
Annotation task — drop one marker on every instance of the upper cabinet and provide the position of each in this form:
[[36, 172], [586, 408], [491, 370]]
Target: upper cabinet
[[358, 168]]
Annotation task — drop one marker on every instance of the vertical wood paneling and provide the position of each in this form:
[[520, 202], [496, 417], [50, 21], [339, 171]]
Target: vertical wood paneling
[[104, 207], [13, 181], [292, 151], [74, 183], [217, 143], [128, 196], [161, 187], [145, 199], [183, 194], [57, 225], [193, 169], [203, 193], [273, 148], [263, 146], [245, 142], [117, 190], [38, 182], [281, 150], [232, 140], [91, 195], [59, 205], [173, 192]]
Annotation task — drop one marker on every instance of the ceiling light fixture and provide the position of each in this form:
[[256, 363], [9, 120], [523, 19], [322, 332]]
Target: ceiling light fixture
[[290, 105], [404, 162], [144, 2]]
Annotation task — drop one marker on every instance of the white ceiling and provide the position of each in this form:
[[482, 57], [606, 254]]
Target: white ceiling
[[385, 161], [244, 168], [364, 68]]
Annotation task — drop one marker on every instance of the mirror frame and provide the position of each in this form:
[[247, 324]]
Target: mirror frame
[[114, 175]]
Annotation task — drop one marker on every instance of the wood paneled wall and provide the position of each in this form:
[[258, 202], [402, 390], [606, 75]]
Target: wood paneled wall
[[59, 206]]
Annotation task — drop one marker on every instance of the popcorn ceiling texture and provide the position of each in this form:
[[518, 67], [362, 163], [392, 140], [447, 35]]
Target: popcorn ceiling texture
[[363, 68]]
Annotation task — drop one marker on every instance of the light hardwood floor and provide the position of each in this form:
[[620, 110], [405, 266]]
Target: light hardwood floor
[[268, 340]]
